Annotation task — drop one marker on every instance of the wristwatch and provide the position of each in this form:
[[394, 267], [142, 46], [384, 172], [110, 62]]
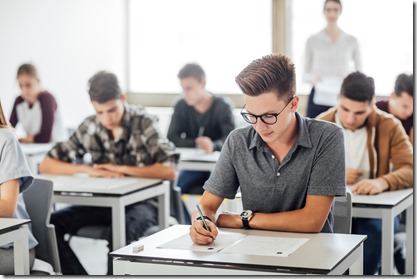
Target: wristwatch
[[246, 216]]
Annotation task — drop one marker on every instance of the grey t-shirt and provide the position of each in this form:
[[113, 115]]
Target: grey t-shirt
[[315, 165], [13, 165]]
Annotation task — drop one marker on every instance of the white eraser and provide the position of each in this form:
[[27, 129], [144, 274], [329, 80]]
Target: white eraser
[[138, 248]]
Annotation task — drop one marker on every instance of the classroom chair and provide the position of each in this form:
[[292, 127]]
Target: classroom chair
[[38, 201], [342, 214]]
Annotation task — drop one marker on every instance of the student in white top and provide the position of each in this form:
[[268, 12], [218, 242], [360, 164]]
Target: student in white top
[[329, 55], [15, 177], [36, 110]]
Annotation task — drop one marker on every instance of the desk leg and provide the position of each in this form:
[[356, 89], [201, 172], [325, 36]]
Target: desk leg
[[357, 267], [387, 256], [21, 252], [163, 207], [409, 264], [118, 224]]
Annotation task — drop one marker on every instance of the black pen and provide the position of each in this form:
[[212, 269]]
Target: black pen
[[204, 220]]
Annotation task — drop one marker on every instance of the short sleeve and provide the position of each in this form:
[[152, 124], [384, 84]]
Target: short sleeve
[[328, 175], [13, 164], [223, 181]]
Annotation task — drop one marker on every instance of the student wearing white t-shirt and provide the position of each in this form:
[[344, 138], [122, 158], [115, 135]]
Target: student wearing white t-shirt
[[36, 110]]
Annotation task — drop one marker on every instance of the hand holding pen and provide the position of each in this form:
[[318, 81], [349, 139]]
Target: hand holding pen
[[203, 142], [203, 231]]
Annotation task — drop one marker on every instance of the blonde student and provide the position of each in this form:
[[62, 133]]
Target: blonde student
[[15, 177], [36, 110]]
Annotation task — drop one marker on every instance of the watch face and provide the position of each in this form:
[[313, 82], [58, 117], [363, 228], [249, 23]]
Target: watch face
[[246, 213]]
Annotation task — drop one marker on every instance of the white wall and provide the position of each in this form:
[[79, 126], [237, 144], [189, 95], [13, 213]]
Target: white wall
[[68, 41]]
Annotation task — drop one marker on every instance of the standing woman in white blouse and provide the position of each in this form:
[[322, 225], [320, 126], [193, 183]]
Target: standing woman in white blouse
[[330, 56]]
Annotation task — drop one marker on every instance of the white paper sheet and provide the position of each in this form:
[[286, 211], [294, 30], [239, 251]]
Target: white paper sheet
[[184, 242], [327, 90], [81, 182], [265, 246]]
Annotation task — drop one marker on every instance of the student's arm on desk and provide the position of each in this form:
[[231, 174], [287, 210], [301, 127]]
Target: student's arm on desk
[[209, 204], [9, 192], [156, 170], [401, 157], [309, 219], [54, 166]]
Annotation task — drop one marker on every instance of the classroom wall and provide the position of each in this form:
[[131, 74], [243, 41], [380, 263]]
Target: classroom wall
[[68, 40]]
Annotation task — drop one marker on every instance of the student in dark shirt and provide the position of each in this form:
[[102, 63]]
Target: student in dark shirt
[[200, 119], [36, 110], [400, 103]]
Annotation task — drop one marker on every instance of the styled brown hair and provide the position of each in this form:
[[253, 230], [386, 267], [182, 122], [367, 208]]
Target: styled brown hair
[[27, 69], [192, 70], [274, 72], [103, 87]]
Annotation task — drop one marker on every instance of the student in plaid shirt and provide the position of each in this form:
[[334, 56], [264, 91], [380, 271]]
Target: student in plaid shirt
[[123, 140]]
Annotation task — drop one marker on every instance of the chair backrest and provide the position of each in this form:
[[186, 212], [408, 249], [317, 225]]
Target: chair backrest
[[342, 214], [38, 202]]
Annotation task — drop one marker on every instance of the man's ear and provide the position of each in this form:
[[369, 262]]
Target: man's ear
[[294, 103], [203, 83]]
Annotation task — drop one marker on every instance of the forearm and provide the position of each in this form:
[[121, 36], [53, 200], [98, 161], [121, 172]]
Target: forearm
[[9, 192], [292, 221], [156, 170], [209, 204], [180, 142], [6, 209], [399, 179], [54, 166]]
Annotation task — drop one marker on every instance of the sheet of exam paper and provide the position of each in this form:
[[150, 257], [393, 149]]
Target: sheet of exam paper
[[265, 246], [184, 242]]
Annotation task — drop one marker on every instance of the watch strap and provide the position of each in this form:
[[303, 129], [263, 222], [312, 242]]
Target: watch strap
[[205, 217]]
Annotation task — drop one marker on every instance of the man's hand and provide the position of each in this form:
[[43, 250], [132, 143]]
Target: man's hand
[[205, 143], [370, 186], [105, 170], [230, 220], [352, 176], [200, 235], [29, 139]]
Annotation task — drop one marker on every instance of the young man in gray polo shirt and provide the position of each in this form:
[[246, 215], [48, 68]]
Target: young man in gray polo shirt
[[289, 168]]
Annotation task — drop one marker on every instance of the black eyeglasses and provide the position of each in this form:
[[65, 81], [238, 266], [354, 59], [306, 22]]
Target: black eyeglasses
[[267, 118]]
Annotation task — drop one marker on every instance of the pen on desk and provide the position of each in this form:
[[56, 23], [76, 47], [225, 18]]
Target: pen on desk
[[200, 134], [204, 220]]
